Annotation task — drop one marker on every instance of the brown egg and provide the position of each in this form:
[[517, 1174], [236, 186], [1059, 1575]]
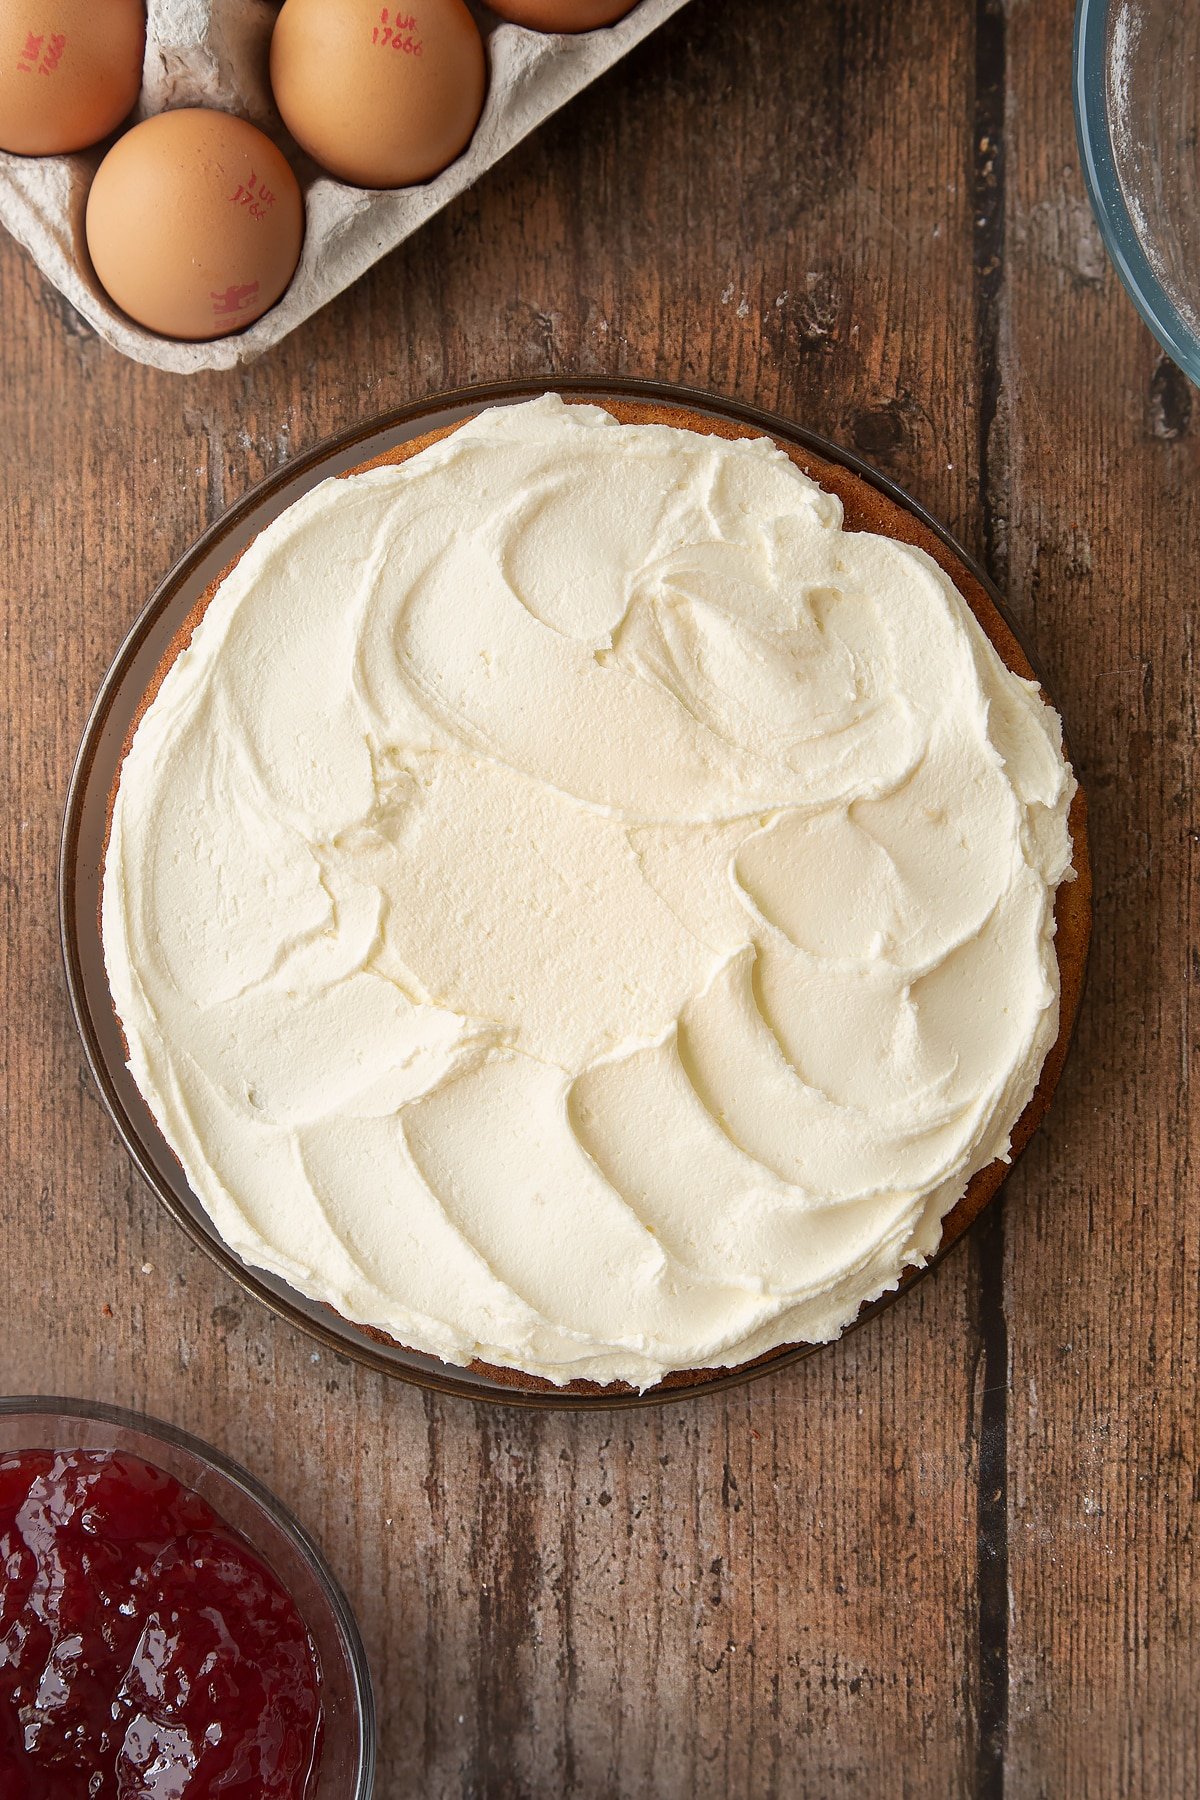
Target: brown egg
[[562, 15], [194, 223], [381, 96], [70, 70]]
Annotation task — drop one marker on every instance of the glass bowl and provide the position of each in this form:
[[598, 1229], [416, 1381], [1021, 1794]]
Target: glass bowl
[[1137, 112], [85, 828], [347, 1767]]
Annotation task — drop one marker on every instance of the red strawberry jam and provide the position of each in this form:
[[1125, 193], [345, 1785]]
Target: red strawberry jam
[[146, 1653]]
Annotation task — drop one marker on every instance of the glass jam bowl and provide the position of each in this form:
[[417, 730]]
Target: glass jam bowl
[[238, 1516]]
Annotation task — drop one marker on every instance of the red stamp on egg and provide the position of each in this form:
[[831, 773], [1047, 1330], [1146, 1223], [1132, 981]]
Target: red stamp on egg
[[396, 30], [42, 53], [254, 195], [235, 299]]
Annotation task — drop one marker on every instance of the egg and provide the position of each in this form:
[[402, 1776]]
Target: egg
[[562, 15], [381, 96], [194, 223], [70, 70]]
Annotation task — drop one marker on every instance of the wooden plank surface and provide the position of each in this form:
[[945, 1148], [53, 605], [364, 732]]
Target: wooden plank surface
[[1102, 1253], [955, 1554]]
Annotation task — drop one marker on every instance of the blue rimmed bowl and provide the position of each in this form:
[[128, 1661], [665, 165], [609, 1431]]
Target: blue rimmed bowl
[[1137, 112]]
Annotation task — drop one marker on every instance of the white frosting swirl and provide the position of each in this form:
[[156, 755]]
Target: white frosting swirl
[[572, 904]]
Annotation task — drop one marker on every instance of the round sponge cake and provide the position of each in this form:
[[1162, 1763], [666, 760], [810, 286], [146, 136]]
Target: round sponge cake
[[866, 509]]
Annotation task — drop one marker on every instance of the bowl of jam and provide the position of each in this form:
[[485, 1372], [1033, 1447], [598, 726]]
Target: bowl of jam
[[167, 1630]]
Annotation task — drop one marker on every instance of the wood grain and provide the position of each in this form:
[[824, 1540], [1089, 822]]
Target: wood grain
[[957, 1553], [1102, 1421]]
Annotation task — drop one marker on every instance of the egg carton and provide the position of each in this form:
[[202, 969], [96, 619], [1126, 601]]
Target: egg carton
[[214, 53]]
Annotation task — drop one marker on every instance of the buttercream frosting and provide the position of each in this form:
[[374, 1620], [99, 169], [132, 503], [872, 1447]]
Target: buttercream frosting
[[573, 904]]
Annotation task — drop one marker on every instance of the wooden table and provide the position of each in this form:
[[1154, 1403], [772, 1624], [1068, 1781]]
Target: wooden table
[[957, 1553]]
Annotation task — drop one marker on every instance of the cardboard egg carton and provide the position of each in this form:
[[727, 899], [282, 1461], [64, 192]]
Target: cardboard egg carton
[[214, 53]]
